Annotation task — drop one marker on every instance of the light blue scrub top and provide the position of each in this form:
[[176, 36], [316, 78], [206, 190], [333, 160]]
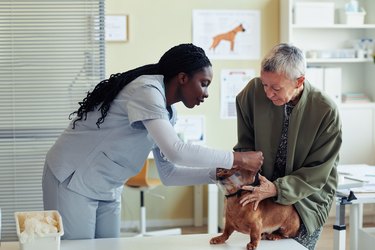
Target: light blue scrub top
[[102, 159]]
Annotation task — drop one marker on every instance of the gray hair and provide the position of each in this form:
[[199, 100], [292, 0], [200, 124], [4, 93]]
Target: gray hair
[[285, 59]]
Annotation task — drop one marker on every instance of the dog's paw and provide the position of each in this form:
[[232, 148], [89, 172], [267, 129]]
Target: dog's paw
[[264, 236], [273, 237], [217, 240], [251, 246]]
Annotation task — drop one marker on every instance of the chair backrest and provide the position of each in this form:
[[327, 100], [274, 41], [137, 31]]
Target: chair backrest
[[139, 180]]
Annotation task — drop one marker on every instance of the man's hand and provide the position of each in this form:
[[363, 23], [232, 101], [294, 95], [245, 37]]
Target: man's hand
[[265, 190]]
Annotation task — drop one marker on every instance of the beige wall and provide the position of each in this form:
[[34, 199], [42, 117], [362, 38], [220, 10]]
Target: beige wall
[[154, 27]]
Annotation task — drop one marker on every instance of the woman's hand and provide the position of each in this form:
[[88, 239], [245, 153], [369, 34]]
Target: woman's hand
[[265, 190], [250, 160]]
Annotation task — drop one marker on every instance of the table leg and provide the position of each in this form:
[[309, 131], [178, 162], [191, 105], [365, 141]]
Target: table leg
[[198, 205], [354, 222], [339, 228], [213, 209]]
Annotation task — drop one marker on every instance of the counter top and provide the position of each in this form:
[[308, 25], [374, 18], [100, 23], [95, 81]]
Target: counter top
[[237, 241]]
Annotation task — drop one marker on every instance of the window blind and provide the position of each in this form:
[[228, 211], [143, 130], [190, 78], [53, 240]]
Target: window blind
[[51, 54]]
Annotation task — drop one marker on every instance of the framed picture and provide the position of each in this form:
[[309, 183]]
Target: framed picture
[[228, 34], [116, 28]]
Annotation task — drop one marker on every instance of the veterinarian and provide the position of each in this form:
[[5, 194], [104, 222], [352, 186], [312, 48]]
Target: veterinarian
[[113, 131], [298, 129]]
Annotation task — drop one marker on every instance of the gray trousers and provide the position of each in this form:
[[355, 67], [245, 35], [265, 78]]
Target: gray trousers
[[83, 218]]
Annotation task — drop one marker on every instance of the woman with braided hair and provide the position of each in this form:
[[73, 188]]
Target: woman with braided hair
[[113, 131]]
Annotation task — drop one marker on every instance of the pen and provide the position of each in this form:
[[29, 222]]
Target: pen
[[370, 175], [344, 173], [354, 179]]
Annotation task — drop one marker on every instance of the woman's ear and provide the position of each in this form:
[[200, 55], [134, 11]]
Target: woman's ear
[[182, 78]]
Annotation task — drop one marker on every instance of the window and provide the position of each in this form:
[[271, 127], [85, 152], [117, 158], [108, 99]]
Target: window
[[51, 54]]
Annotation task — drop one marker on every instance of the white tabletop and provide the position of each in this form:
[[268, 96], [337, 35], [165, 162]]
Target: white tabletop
[[358, 178], [237, 241]]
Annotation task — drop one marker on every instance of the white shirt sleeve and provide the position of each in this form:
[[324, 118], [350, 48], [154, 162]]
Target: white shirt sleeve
[[185, 154], [174, 175]]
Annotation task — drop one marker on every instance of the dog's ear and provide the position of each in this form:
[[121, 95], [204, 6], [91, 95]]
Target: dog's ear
[[220, 172], [223, 173]]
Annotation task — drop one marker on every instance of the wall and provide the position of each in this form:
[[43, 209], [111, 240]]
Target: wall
[[154, 27]]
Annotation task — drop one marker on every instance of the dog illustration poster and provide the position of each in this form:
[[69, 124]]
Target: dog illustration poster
[[232, 82], [228, 34]]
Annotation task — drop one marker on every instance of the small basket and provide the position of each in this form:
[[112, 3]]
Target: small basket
[[353, 18], [50, 241]]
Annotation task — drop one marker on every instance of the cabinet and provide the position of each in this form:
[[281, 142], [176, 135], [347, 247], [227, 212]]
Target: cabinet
[[357, 145], [357, 71]]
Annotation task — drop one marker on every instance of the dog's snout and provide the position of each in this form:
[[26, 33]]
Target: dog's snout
[[220, 178], [243, 30]]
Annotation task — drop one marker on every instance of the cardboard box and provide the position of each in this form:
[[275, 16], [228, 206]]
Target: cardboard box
[[50, 241], [314, 13]]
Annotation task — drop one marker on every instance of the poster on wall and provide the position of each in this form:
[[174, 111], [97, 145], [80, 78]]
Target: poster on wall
[[232, 82], [228, 34], [190, 128]]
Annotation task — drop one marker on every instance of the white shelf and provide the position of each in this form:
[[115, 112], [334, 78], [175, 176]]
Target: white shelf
[[335, 26], [348, 105], [358, 74], [338, 60]]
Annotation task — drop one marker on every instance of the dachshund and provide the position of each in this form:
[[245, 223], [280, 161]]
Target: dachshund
[[228, 36], [271, 221]]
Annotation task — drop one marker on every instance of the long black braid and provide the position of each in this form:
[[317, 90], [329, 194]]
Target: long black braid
[[186, 58]]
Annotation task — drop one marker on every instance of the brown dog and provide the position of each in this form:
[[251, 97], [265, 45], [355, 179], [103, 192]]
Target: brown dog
[[228, 36], [271, 220]]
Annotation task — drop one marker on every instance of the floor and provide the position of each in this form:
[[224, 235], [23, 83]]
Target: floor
[[325, 242]]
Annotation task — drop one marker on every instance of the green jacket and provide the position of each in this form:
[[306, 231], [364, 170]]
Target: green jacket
[[314, 140]]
